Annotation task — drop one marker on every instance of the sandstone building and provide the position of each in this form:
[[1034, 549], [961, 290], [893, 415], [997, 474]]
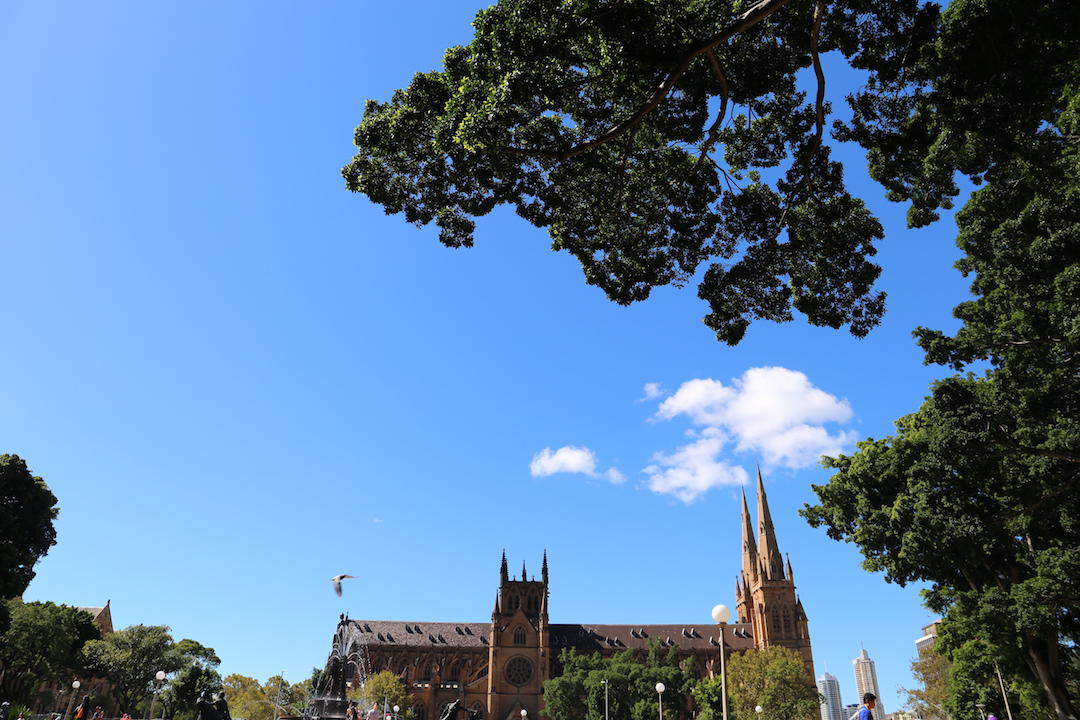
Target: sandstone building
[[498, 668]]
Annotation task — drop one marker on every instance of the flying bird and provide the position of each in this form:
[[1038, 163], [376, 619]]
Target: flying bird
[[337, 582]]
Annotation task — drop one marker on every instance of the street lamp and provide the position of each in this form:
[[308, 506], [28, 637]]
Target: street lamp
[[159, 676], [605, 698], [758, 709], [660, 698], [74, 691], [524, 713], [396, 709], [720, 615]]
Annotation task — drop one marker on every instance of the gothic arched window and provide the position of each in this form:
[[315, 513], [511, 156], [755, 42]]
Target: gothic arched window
[[418, 712], [787, 620], [519, 635], [776, 620]]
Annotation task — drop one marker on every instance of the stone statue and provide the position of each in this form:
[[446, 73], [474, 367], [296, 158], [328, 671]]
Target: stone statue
[[206, 710], [222, 707]]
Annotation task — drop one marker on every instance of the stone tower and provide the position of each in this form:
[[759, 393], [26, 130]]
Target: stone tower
[[765, 591], [520, 642]]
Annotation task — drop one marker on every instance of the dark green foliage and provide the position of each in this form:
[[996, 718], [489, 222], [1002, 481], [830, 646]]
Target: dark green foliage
[[27, 511], [978, 493], [660, 141], [578, 693], [130, 658], [197, 674], [42, 645]]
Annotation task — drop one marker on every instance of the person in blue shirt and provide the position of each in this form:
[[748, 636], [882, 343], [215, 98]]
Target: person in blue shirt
[[866, 712]]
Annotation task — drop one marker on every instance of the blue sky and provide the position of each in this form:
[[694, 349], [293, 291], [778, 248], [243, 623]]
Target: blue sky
[[240, 379]]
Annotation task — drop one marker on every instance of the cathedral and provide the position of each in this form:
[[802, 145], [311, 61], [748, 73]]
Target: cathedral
[[498, 668]]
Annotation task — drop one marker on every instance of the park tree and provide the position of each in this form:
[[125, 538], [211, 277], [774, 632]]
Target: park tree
[[977, 492], [129, 660], [386, 689], [931, 671], [630, 676], [247, 699], [774, 678], [663, 142], [27, 511], [197, 674], [42, 645]]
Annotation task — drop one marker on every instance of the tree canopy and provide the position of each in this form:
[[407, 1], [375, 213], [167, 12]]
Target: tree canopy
[[27, 511], [43, 644], [665, 141], [774, 678], [578, 693], [129, 660], [977, 493]]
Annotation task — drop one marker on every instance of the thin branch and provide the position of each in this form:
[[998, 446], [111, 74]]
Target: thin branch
[[758, 12], [819, 101], [714, 129]]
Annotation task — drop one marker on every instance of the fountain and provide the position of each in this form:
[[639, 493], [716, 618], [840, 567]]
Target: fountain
[[347, 660]]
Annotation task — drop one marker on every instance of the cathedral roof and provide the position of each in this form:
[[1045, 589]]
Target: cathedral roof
[[620, 637], [422, 634]]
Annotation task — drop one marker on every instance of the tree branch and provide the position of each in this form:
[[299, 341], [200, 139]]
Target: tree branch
[[819, 101], [714, 129], [755, 14]]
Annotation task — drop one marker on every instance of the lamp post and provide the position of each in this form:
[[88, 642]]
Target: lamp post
[[660, 698], [720, 615], [74, 691], [605, 698], [396, 709], [524, 713], [159, 676], [758, 709]]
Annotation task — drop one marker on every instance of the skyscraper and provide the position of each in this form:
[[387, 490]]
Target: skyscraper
[[866, 681], [831, 707]]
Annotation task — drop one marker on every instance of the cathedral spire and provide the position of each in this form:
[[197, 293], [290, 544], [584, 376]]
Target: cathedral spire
[[504, 573], [749, 548], [523, 578], [544, 570], [770, 551]]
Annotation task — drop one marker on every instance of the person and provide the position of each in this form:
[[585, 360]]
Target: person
[[869, 701], [350, 712], [99, 714], [83, 711]]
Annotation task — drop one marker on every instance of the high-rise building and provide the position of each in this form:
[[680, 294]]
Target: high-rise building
[[866, 681], [929, 635], [831, 706]]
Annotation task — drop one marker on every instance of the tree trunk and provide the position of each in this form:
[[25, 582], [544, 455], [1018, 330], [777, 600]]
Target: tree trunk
[[1049, 676]]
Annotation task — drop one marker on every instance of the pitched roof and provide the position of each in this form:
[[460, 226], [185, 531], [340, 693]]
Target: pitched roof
[[583, 637], [422, 634], [621, 637]]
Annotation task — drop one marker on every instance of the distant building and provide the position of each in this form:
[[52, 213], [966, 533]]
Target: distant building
[[929, 636], [866, 681], [102, 616], [850, 710], [831, 706]]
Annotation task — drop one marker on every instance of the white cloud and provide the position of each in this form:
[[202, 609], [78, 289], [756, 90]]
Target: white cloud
[[772, 411], [652, 391], [693, 469], [571, 459]]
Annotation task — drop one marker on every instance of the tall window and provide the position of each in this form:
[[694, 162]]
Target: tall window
[[787, 620], [776, 620], [519, 635]]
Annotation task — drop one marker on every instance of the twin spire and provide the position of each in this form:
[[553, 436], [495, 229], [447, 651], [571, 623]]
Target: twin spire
[[761, 558]]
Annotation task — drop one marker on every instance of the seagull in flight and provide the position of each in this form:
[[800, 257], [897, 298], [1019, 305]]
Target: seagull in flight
[[337, 582]]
